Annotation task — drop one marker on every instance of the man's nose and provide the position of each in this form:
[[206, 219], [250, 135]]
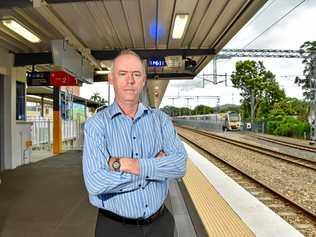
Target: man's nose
[[130, 78]]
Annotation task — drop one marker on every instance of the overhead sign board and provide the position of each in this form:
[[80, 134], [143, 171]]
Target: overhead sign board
[[62, 78], [38, 78], [55, 78]]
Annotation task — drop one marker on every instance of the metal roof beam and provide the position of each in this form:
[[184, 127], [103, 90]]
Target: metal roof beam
[[155, 76], [147, 53], [45, 58], [15, 3], [68, 1], [24, 59], [170, 76], [28, 3]]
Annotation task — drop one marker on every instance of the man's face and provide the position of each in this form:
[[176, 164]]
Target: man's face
[[128, 79]]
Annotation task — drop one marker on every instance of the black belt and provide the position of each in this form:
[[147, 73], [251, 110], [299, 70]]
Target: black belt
[[139, 221]]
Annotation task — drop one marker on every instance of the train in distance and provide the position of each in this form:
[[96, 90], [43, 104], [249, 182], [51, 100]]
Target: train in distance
[[230, 120]]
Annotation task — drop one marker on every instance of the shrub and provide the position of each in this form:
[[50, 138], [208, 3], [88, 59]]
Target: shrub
[[288, 126]]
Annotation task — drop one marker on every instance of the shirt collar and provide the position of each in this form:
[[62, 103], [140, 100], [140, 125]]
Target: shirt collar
[[116, 110]]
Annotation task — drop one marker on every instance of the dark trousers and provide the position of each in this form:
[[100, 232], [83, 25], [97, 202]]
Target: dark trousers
[[163, 226]]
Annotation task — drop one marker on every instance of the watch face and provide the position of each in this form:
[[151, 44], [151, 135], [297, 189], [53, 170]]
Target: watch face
[[116, 165]]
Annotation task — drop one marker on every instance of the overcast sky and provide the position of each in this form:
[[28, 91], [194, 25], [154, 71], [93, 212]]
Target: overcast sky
[[289, 33]]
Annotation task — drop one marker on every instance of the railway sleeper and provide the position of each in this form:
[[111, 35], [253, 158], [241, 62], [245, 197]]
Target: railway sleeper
[[285, 214]]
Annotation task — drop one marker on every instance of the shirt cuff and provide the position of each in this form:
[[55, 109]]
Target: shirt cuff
[[147, 168]]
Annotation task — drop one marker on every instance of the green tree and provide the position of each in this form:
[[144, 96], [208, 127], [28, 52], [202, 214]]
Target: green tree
[[308, 51], [202, 109], [170, 110], [289, 118], [229, 107], [255, 81], [294, 107], [185, 111], [98, 99]]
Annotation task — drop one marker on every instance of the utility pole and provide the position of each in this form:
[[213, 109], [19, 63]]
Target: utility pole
[[188, 103], [313, 99], [215, 70], [252, 107], [197, 98], [217, 104], [172, 98]]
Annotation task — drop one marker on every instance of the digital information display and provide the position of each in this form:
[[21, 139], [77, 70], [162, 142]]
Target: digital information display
[[38, 78], [156, 62]]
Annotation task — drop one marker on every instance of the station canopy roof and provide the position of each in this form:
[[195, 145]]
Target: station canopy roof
[[99, 29], [103, 27]]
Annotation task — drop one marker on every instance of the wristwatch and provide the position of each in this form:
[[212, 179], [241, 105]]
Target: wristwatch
[[116, 165]]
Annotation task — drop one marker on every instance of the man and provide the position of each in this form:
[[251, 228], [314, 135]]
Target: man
[[131, 152]]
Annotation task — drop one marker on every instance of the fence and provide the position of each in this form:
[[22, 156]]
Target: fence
[[42, 134], [202, 124]]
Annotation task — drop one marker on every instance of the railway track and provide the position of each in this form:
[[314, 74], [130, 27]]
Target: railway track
[[285, 143], [294, 213], [306, 163]]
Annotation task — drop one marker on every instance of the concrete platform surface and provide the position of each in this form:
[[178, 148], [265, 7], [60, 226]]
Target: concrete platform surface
[[46, 198]]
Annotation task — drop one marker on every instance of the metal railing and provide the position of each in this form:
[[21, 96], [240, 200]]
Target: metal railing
[[42, 134]]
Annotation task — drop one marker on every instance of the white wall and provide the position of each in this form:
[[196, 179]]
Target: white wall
[[1, 124], [6, 62]]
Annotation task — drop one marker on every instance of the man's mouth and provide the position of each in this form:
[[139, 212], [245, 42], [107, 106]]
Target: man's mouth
[[129, 90]]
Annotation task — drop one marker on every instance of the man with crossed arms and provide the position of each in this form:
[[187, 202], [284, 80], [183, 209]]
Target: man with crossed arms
[[131, 152]]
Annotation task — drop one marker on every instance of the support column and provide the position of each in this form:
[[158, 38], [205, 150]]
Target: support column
[[57, 129], [1, 123], [42, 106], [9, 112]]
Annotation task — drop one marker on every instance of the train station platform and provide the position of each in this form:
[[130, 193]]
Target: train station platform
[[48, 198]]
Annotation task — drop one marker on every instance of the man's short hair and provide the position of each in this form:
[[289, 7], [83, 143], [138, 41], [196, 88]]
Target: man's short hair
[[127, 52]]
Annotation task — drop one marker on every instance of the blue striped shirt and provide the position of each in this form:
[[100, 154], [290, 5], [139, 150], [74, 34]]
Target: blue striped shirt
[[111, 133]]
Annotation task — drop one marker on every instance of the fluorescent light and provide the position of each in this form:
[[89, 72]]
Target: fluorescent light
[[21, 30], [179, 25], [102, 72]]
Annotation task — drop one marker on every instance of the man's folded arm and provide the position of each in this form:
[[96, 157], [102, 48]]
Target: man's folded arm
[[96, 172], [173, 164]]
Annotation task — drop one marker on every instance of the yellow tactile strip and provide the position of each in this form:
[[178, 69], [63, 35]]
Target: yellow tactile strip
[[217, 216]]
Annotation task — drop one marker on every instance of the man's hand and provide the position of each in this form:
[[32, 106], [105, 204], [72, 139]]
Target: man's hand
[[128, 165], [160, 154]]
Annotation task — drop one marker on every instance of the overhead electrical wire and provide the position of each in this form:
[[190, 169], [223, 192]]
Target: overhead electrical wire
[[274, 23]]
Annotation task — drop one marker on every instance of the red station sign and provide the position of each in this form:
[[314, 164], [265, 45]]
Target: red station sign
[[62, 78]]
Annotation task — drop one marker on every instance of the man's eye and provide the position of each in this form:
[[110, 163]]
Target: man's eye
[[137, 74], [122, 73]]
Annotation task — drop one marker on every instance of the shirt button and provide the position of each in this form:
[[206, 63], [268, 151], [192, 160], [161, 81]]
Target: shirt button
[[143, 188], [146, 205], [121, 190], [136, 154], [139, 185], [147, 177], [134, 138]]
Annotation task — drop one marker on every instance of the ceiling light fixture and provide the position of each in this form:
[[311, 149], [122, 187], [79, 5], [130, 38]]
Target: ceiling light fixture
[[179, 25], [21, 30], [102, 72]]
